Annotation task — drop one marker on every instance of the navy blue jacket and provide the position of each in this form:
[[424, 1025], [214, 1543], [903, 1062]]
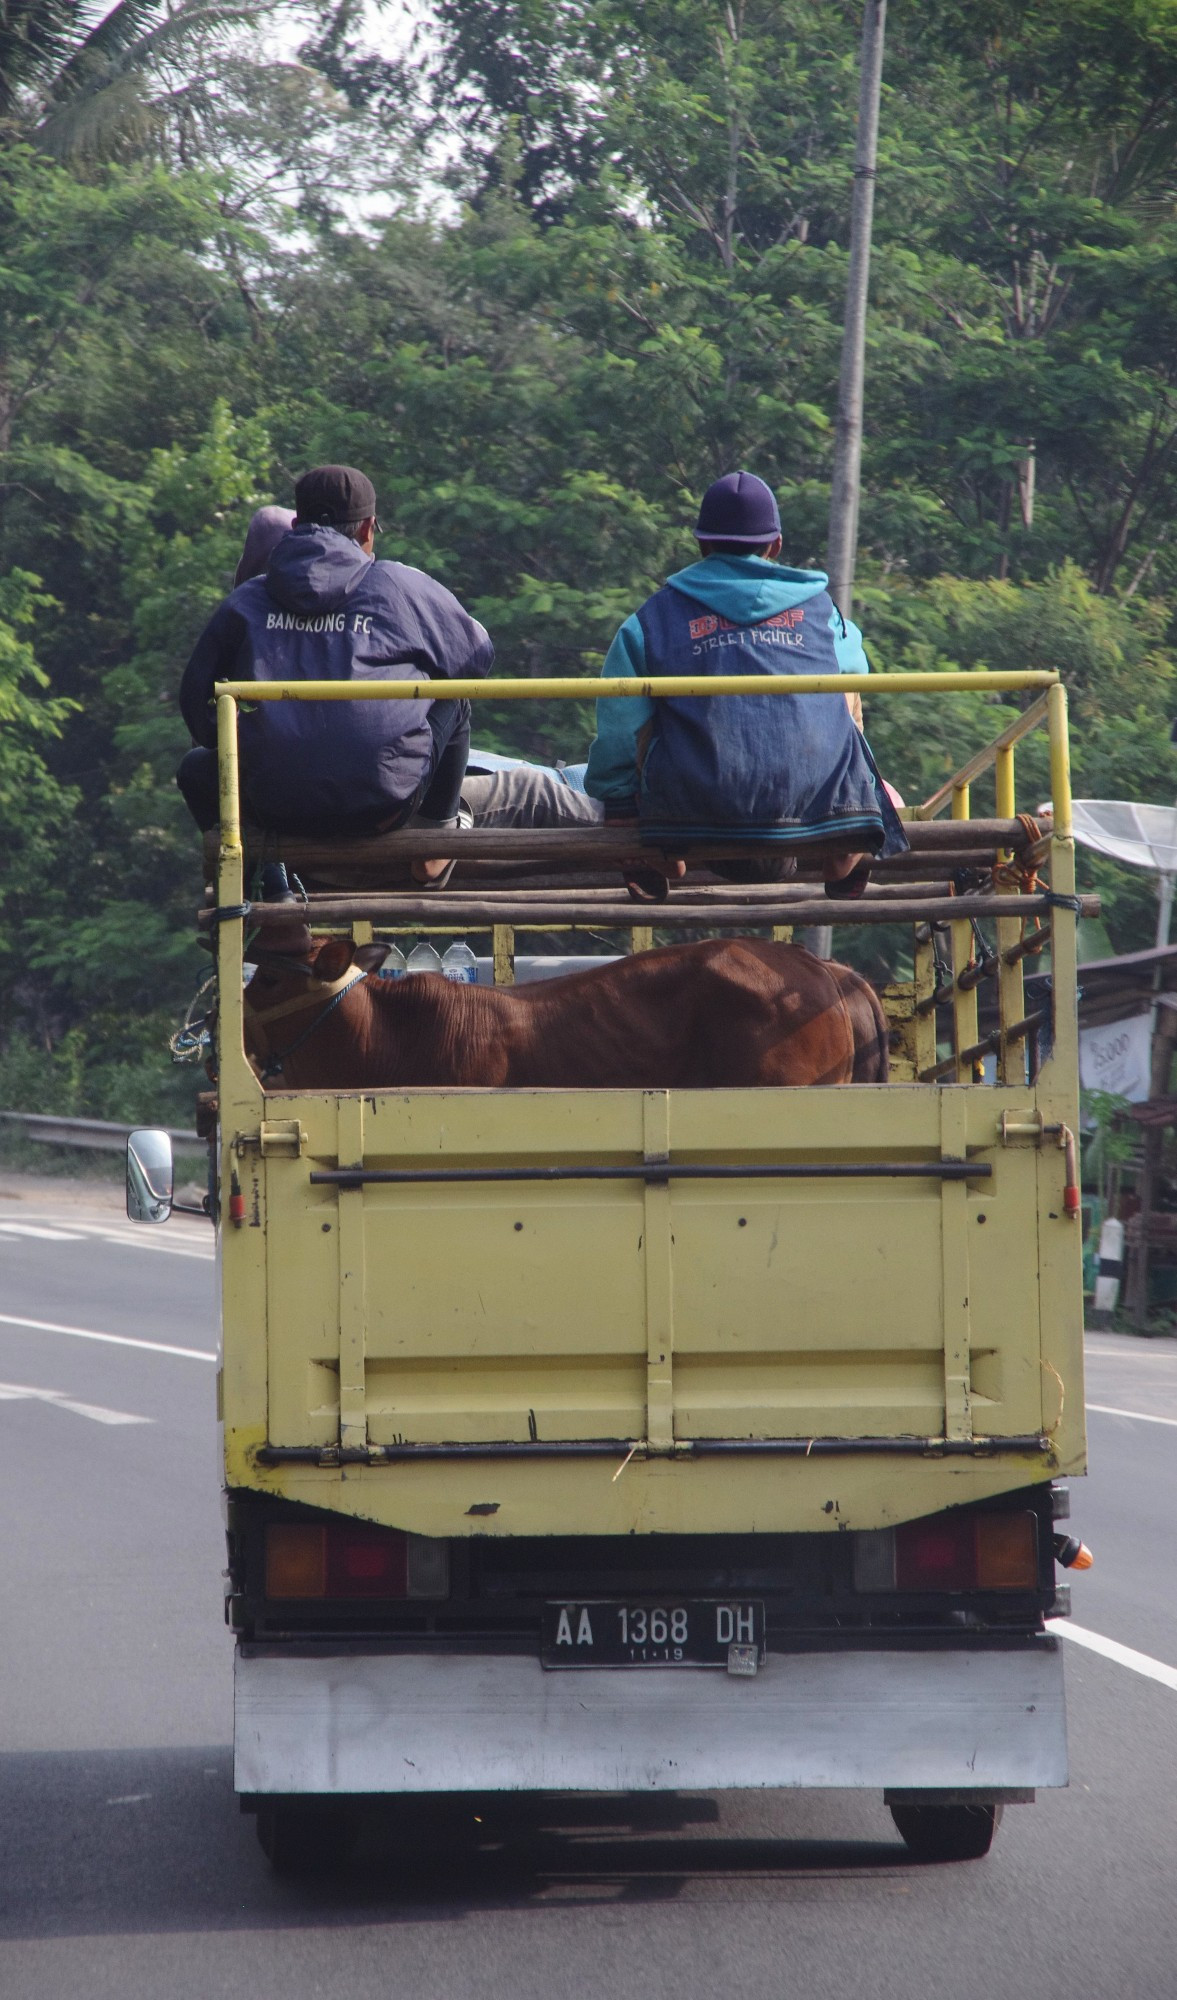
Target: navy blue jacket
[[744, 767], [326, 611]]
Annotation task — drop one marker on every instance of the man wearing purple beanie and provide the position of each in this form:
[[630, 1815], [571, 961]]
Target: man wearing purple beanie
[[759, 771]]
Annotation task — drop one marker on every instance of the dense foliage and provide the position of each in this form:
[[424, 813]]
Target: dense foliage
[[603, 259]]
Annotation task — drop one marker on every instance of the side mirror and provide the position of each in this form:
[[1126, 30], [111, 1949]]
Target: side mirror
[[151, 1176]]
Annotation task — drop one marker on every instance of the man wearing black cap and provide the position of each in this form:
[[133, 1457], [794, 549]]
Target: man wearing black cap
[[326, 610], [760, 771]]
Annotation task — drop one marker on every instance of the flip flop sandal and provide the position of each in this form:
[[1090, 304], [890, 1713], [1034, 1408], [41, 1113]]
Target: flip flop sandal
[[646, 885], [852, 887], [465, 820]]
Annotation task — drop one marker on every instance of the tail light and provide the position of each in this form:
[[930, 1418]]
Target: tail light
[[950, 1552], [341, 1559]]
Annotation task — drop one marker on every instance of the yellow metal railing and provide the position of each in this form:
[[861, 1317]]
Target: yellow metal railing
[[962, 1064], [667, 685]]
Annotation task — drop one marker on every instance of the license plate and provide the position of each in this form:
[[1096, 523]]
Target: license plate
[[691, 1633]]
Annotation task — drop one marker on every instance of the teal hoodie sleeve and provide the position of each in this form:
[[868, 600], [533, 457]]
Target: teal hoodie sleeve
[[613, 773], [848, 647]]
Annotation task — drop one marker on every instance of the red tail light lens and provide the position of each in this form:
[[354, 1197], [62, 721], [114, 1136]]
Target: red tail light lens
[[366, 1562], [935, 1555]]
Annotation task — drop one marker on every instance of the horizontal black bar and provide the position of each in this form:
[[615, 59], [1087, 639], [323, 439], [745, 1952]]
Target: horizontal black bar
[[657, 1172], [828, 1447]]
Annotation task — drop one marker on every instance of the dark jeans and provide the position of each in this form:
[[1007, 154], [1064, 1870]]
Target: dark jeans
[[435, 799]]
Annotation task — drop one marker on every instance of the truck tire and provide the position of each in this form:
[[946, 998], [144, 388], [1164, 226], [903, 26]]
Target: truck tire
[[306, 1836], [947, 1832]]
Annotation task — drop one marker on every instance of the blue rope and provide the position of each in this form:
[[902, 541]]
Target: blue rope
[[277, 1063]]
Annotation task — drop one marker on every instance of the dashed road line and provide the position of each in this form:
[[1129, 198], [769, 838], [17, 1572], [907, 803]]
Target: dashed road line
[[1138, 1416], [43, 1235], [1131, 1355], [1111, 1649], [16, 1392], [110, 1339], [119, 1238]]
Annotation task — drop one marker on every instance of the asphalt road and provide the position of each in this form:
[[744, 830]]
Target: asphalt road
[[125, 1869]]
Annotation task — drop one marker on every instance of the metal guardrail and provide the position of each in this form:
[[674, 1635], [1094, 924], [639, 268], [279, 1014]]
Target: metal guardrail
[[94, 1134]]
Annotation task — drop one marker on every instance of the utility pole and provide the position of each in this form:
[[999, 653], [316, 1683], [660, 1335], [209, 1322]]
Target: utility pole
[[819, 939], [848, 434]]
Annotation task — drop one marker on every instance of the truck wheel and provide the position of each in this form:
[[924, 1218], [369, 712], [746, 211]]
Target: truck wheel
[[947, 1833], [306, 1836]]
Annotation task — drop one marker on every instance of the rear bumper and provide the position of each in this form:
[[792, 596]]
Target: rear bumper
[[985, 1720]]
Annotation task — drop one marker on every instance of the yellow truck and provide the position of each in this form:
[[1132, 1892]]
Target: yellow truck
[[612, 1441]]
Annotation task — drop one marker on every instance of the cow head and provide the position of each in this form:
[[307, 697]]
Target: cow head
[[296, 974]]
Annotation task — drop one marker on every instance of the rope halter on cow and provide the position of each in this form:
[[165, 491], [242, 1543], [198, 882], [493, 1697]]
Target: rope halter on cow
[[330, 991]]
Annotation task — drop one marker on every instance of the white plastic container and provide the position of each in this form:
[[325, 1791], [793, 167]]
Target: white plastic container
[[395, 965]]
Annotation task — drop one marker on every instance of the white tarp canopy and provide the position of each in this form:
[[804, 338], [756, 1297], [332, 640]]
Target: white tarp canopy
[[1144, 836]]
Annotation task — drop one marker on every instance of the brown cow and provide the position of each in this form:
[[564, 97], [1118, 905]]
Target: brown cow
[[730, 1011]]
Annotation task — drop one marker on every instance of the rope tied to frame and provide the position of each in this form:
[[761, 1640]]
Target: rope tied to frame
[[1022, 878], [193, 1038]]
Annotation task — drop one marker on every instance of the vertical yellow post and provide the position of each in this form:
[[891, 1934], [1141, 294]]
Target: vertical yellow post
[[923, 1049], [964, 1005], [641, 938], [1060, 760], [1063, 940], [1057, 1096], [1011, 1056], [230, 891], [503, 945], [782, 933]]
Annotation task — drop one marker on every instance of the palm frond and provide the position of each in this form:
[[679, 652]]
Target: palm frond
[[104, 97], [37, 38]]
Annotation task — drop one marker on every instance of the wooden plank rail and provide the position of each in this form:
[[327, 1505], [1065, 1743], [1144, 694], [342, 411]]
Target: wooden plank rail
[[584, 845], [466, 913]]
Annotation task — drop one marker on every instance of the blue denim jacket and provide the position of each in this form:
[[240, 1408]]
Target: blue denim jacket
[[745, 768]]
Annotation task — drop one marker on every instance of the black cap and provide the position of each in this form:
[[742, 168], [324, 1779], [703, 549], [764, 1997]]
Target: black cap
[[738, 508], [334, 495]]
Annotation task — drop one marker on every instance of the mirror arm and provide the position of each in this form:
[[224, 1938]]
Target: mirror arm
[[191, 1208]]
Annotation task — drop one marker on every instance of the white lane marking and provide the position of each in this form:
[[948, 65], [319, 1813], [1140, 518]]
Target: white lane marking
[[45, 1235], [1132, 1354], [112, 1339], [1111, 1649], [152, 1243], [14, 1392], [1140, 1416]]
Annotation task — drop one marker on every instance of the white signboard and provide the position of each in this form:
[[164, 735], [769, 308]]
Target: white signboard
[[1116, 1058]]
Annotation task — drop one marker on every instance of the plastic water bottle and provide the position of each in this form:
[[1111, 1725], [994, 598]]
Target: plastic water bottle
[[395, 965], [423, 958], [460, 964]]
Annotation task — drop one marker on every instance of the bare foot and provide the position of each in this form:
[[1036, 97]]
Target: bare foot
[[835, 867], [429, 871]]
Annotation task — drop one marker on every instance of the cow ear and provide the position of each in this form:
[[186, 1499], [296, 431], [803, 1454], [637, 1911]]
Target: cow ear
[[334, 958], [370, 956]]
